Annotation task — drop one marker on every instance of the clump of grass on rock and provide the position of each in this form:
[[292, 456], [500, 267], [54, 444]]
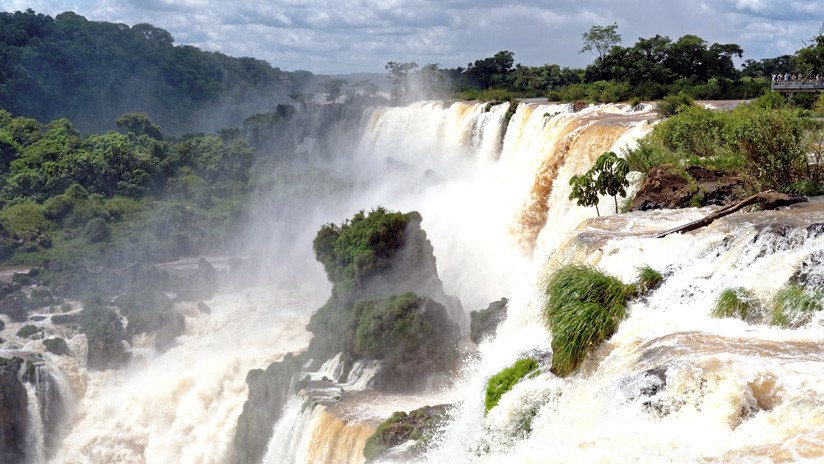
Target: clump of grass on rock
[[503, 381], [793, 306], [584, 307], [736, 303]]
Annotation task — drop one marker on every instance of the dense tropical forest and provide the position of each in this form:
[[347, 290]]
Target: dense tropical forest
[[93, 71]]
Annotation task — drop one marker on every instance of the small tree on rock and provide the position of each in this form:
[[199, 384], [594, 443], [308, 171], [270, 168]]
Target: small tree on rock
[[584, 190], [611, 177]]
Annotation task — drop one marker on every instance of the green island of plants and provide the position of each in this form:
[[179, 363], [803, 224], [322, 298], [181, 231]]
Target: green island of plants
[[736, 303], [584, 307], [793, 306], [503, 381]]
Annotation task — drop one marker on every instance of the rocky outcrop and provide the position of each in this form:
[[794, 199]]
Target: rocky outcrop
[[418, 426], [268, 392], [667, 187], [413, 336], [151, 312], [199, 286], [13, 412], [484, 323]]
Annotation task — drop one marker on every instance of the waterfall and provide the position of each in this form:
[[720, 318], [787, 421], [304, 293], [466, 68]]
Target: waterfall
[[672, 385]]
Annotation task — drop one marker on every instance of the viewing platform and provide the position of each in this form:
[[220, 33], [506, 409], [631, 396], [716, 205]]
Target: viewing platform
[[798, 85]]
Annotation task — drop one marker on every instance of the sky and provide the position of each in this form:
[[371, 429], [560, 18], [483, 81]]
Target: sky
[[342, 36]]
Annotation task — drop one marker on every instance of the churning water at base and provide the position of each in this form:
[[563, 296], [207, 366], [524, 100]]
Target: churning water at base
[[672, 385]]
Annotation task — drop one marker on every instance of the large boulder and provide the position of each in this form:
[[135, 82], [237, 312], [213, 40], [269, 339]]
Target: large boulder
[[151, 312], [13, 412], [199, 286], [105, 335], [268, 391], [667, 187]]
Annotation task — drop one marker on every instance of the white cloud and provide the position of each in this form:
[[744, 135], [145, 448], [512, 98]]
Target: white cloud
[[361, 35]]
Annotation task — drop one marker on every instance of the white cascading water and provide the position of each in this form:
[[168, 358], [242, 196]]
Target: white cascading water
[[498, 215]]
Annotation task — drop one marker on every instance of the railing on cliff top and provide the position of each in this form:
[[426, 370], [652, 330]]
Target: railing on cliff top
[[789, 83]]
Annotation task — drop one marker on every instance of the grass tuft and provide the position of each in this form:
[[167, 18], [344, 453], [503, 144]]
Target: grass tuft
[[583, 308], [648, 279], [503, 381], [734, 302], [793, 306]]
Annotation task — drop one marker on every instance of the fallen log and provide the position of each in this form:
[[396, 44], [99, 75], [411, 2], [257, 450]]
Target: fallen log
[[768, 199]]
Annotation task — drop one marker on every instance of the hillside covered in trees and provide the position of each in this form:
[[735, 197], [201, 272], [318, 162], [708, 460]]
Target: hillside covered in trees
[[92, 72]]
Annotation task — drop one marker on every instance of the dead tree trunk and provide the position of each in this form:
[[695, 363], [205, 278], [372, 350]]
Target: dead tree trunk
[[769, 199]]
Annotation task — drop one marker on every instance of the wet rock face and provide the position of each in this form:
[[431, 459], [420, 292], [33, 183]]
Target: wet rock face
[[666, 188], [268, 391], [484, 323], [201, 285], [811, 273], [13, 412], [418, 426]]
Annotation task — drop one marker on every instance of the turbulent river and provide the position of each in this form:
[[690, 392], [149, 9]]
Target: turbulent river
[[493, 194]]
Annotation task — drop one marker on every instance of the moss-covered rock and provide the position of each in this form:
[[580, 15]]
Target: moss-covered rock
[[27, 331], [151, 312], [502, 382], [412, 335], [484, 323], [105, 334], [15, 306], [372, 255], [57, 346], [418, 426]]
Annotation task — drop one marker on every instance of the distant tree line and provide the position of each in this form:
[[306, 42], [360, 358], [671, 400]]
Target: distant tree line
[[649, 69], [93, 71]]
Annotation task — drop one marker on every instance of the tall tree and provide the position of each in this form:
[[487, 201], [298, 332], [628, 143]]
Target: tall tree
[[598, 40]]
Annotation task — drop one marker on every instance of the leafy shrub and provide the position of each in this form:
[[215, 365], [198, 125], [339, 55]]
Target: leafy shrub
[[734, 302], [673, 104], [772, 142], [648, 155], [24, 218], [97, 231], [503, 381], [793, 306], [583, 308], [360, 246]]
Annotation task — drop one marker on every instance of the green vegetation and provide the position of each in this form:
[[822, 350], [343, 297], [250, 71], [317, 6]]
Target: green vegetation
[[484, 323], [503, 381], [648, 279], [27, 331], [57, 346], [735, 302], [361, 246], [764, 142], [64, 195], [93, 71], [608, 176], [385, 324], [583, 308], [419, 425], [793, 306]]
